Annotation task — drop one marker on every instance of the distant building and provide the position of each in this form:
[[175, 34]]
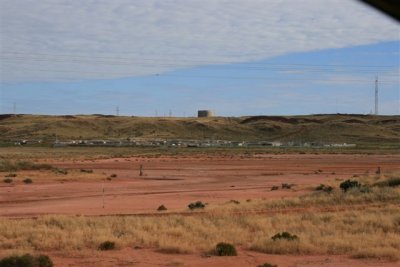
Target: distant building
[[204, 113]]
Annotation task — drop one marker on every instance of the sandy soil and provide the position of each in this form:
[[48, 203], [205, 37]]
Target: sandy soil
[[175, 182]]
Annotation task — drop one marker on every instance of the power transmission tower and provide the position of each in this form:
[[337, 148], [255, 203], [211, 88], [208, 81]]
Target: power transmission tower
[[15, 108], [117, 111], [376, 95]]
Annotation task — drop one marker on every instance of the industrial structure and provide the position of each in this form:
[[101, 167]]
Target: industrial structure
[[204, 113]]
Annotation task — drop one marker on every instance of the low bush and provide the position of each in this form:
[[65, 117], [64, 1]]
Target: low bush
[[234, 201], [285, 236], [8, 180], [44, 261], [107, 245], [348, 184], [161, 208], [324, 188], [286, 186], [225, 249], [392, 182], [11, 175], [113, 175], [196, 205], [60, 171], [26, 260], [267, 265], [86, 171], [274, 187], [28, 180]]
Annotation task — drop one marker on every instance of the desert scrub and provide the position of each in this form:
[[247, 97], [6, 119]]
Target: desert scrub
[[336, 232], [86, 171], [267, 265], [9, 166], [196, 205], [27, 181], [349, 184], [107, 245], [8, 180], [26, 260], [324, 188], [391, 182], [225, 249], [285, 236], [60, 171], [161, 208]]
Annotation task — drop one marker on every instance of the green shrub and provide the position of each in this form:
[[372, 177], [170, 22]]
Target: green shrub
[[161, 208], [267, 265], [348, 184], [196, 205], [28, 180], [26, 260], [225, 249], [107, 245], [8, 180], [285, 235]]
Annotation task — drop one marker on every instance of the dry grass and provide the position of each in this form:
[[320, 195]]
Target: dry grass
[[369, 233], [46, 176], [362, 229], [317, 200]]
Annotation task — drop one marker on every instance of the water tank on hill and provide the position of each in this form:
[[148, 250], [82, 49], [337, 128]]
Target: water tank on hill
[[204, 113]]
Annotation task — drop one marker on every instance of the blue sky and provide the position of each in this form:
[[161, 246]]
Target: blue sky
[[235, 63]]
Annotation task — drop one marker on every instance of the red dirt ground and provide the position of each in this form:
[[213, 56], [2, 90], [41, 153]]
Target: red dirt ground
[[175, 182]]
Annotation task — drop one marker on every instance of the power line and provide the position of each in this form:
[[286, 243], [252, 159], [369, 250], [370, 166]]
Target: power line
[[208, 76], [126, 60]]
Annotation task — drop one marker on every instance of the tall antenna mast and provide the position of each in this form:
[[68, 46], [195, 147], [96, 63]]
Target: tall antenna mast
[[15, 108], [117, 111], [376, 95]]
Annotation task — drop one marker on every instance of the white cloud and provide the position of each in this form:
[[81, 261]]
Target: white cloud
[[51, 40]]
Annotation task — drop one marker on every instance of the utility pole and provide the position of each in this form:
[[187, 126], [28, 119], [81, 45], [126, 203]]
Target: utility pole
[[117, 110], [15, 108], [376, 95]]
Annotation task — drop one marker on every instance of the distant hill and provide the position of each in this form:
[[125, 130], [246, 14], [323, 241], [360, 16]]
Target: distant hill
[[338, 128]]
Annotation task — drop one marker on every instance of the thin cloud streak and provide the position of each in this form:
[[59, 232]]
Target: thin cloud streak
[[78, 40]]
